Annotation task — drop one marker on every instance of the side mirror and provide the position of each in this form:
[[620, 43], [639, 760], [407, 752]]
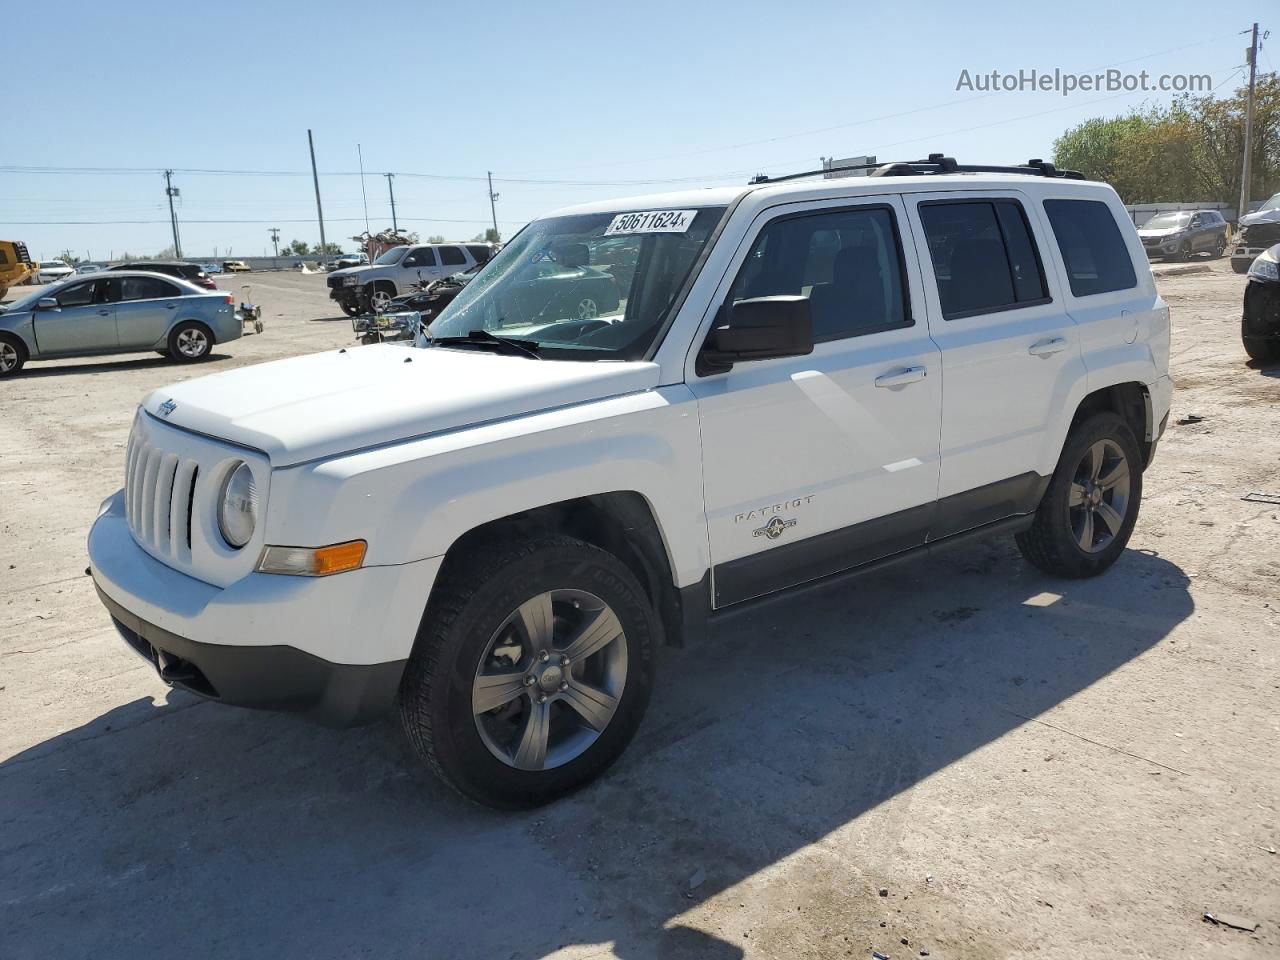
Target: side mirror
[[47, 303], [761, 328]]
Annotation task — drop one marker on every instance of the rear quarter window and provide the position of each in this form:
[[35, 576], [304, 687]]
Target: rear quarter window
[[1093, 249]]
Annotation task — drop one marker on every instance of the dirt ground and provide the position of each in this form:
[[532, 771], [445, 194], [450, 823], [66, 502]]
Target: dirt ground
[[1025, 767]]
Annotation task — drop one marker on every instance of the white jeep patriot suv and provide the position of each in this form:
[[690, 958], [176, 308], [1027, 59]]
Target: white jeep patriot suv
[[494, 530]]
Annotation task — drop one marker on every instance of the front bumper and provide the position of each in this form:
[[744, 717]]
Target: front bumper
[[332, 648]]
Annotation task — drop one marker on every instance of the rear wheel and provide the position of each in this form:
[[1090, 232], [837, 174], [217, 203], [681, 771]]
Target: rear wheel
[[190, 341], [531, 672], [1219, 248], [1088, 512], [13, 354]]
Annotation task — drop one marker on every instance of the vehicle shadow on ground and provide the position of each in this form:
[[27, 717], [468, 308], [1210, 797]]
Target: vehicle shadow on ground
[[329, 319], [197, 830], [38, 368]]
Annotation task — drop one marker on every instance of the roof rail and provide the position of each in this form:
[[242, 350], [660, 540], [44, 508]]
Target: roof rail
[[935, 163]]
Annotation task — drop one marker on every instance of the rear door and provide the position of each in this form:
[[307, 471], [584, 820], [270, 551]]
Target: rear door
[[145, 306], [82, 323], [1010, 351], [452, 260]]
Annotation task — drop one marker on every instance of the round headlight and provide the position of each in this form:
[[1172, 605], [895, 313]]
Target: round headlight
[[238, 507]]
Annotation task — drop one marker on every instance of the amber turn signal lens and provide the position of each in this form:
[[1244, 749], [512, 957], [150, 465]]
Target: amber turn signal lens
[[313, 561]]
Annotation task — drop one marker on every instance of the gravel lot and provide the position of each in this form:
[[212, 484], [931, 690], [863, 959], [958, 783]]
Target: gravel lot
[[1026, 766]]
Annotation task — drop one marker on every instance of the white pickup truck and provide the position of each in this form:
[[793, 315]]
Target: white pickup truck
[[495, 532]]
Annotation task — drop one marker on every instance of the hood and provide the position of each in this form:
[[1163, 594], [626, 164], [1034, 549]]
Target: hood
[[306, 408], [1159, 231], [347, 271], [1262, 216]]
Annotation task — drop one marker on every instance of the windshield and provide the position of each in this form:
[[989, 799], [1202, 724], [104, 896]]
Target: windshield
[[1166, 220], [589, 287], [391, 256], [1271, 204]]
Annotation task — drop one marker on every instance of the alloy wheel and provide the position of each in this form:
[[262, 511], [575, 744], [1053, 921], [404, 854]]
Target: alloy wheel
[[193, 343], [1099, 499], [588, 309], [550, 680], [379, 300], [8, 357]]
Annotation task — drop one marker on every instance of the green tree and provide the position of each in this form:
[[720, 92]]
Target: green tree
[[331, 248], [297, 248], [436, 238], [488, 235], [69, 257], [1188, 151]]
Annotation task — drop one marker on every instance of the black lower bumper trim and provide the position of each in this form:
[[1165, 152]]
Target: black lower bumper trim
[[278, 677]]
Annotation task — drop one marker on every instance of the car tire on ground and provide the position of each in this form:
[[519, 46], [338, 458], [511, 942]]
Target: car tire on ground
[[1240, 266], [350, 307], [1184, 251], [531, 670], [190, 342], [13, 355], [1089, 509], [378, 296], [1259, 349], [1219, 248]]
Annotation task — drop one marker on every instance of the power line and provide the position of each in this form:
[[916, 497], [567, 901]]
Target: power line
[[60, 223]]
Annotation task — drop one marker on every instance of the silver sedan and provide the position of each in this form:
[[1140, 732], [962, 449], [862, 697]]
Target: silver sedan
[[119, 312]]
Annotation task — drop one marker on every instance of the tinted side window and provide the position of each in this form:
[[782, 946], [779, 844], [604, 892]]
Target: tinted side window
[[1092, 248], [984, 257], [146, 288], [479, 252], [76, 295], [422, 257], [452, 257], [847, 262]]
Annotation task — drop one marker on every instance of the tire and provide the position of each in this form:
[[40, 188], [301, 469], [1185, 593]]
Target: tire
[[351, 308], [473, 630], [1183, 252], [1259, 349], [1054, 542], [1219, 249], [190, 342], [13, 355], [1240, 266], [378, 296]]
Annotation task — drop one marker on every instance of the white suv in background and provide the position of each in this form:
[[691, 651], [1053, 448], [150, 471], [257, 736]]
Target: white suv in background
[[495, 532]]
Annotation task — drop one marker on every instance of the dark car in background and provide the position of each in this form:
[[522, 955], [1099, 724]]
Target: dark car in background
[[1180, 234], [1260, 324], [190, 272], [1258, 231]]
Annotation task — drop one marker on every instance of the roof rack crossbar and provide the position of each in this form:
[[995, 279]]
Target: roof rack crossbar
[[935, 164]]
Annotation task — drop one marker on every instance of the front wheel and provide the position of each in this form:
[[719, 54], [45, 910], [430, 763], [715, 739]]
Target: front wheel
[[379, 298], [531, 671], [1088, 512], [1259, 349], [350, 307], [1240, 266], [13, 354], [190, 341]]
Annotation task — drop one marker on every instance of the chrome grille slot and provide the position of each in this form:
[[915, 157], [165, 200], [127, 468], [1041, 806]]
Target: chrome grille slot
[[159, 497]]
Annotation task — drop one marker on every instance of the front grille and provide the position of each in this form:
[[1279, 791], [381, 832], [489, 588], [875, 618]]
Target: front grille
[[160, 491], [1261, 234], [334, 282]]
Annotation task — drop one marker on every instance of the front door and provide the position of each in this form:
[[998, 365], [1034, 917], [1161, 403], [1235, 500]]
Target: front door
[[815, 464], [80, 324], [145, 308], [419, 265]]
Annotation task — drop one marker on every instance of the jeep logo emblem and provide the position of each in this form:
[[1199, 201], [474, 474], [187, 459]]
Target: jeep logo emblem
[[774, 528]]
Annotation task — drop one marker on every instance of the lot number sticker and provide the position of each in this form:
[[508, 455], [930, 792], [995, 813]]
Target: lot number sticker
[[652, 221]]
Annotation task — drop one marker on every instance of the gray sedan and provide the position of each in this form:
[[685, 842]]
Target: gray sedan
[[119, 312]]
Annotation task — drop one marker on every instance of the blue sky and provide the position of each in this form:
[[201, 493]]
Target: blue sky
[[594, 93]]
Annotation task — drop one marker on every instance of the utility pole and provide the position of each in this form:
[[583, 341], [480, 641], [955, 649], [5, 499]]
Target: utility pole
[[171, 191], [493, 210], [363, 199], [275, 240], [1248, 126], [324, 247], [390, 189]]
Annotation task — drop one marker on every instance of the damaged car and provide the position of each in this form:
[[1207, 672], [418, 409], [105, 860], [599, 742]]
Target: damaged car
[[1260, 324]]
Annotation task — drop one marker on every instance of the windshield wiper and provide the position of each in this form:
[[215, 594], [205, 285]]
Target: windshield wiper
[[483, 338]]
